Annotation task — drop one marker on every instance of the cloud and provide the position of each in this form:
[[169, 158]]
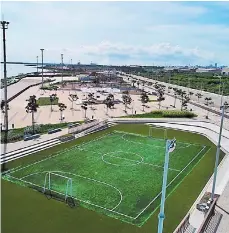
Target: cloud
[[118, 32]]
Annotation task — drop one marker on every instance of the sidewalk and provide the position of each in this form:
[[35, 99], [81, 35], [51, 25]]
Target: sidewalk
[[20, 144]]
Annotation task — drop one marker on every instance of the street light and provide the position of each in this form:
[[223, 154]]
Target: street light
[[42, 51], [4, 26], [223, 108], [37, 64], [170, 146], [62, 58]]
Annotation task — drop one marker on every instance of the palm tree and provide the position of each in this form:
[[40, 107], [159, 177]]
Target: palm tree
[[32, 107], [184, 98], [190, 94], [126, 100], [73, 97], [52, 98], [109, 101], [160, 93], [62, 107], [208, 103], [84, 107], [144, 99], [199, 96], [169, 88]]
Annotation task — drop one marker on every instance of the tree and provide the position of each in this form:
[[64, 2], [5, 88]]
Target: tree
[[62, 107], [175, 91], [109, 101], [144, 99], [190, 94], [169, 88], [3, 108], [90, 99], [208, 102], [133, 82], [160, 93], [126, 99], [32, 107], [84, 107], [199, 96], [73, 97], [184, 99], [52, 98]]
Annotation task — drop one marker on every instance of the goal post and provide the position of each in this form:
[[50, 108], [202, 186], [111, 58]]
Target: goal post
[[158, 132], [57, 183]]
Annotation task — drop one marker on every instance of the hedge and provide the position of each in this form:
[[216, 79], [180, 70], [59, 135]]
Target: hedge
[[165, 114]]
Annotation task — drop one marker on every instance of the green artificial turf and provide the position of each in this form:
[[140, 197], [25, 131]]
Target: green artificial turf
[[42, 101], [37, 214]]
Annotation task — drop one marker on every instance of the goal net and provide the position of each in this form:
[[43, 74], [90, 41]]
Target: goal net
[[59, 184], [158, 132]]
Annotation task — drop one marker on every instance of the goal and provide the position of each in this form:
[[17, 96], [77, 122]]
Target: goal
[[158, 132], [59, 184]]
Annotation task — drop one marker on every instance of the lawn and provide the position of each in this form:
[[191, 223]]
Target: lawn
[[43, 101], [34, 208]]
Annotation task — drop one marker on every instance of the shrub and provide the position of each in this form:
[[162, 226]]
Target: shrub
[[165, 114]]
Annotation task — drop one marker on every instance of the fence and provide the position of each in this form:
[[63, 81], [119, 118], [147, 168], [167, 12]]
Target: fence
[[183, 225], [208, 217]]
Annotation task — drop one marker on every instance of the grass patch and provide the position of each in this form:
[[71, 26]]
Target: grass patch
[[43, 101], [164, 114], [24, 210]]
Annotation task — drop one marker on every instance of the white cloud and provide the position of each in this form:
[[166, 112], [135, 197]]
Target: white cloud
[[119, 32]]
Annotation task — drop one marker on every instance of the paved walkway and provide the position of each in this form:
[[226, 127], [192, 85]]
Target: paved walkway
[[21, 144]]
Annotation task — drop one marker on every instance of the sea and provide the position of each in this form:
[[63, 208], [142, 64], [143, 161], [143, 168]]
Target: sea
[[15, 69]]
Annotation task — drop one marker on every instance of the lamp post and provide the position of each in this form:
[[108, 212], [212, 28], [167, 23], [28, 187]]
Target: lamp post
[[42, 51], [62, 58], [37, 64], [170, 146], [223, 108], [4, 26]]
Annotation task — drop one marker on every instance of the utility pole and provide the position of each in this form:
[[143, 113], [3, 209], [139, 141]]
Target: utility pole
[[4, 26], [62, 58], [37, 64], [218, 151], [42, 51]]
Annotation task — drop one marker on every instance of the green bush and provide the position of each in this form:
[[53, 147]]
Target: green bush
[[165, 114]]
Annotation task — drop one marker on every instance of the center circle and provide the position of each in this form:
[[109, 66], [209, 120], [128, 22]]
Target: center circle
[[122, 158]]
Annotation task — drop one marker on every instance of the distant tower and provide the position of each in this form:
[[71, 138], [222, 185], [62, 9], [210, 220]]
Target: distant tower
[[215, 65]]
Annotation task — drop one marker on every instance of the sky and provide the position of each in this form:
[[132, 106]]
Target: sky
[[121, 33]]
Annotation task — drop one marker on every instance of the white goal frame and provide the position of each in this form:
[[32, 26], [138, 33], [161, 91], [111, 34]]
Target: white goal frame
[[162, 128], [68, 191]]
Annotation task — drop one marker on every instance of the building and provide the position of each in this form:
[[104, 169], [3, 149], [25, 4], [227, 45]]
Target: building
[[225, 71], [208, 70]]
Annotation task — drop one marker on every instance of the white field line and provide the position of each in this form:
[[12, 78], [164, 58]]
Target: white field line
[[155, 126], [69, 173], [124, 134], [76, 199], [132, 160], [173, 180], [55, 155]]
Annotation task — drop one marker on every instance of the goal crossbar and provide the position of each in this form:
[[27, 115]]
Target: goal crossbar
[[48, 181], [159, 128]]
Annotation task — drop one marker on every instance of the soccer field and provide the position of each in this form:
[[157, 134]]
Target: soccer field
[[118, 174]]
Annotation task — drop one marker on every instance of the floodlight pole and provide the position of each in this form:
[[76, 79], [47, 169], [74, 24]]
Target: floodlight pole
[[217, 153], [62, 57], [161, 215], [37, 64], [42, 51], [4, 26]]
